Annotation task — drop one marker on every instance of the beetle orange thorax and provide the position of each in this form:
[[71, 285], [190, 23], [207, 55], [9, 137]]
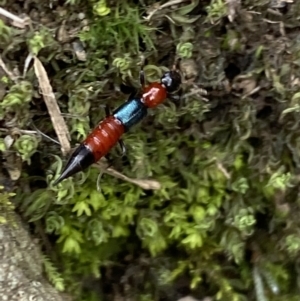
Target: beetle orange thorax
[[154, 94]]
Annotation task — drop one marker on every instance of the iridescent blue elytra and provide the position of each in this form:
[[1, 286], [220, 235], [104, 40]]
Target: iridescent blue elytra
[[131, 112]]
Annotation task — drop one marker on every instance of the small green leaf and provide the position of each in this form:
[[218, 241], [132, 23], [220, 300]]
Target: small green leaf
[[193, 240], [96, 200], [120, 230], [82, 207], [195, 281], [198, 213], [71, 246]]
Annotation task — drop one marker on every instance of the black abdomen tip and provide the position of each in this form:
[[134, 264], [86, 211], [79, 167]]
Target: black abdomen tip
[[81, 159]]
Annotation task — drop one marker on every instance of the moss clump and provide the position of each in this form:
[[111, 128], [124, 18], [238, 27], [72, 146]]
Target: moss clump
[[225, 221]]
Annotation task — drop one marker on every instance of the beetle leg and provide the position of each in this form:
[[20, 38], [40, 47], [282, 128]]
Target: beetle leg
[[175, 96], [123, 147], [142, 78], [132, 95], [142, 73], [107, 110], [176, 66]]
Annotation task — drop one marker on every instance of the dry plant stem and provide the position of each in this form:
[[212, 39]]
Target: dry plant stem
[[26, 64], [170, 3], [58, 122], [233, 6], [223, 170], [17, 21], [9, 15], [8, 73], [44, 135], [29, 132], [144, 184]]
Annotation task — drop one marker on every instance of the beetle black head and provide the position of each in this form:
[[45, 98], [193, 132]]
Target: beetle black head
[[171, 80]]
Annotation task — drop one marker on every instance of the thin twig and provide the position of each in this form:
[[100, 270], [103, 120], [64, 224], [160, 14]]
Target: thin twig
[[170, 3], [28, 60], [223, 170], [17, 21], [144, 183], [44, 135], [8, 73], [28, 132], [58, 121]]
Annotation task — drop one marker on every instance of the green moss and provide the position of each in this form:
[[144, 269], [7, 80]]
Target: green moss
[[226, 217], [120, 29]]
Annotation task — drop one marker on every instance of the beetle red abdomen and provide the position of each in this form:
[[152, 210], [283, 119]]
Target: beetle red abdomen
[[104, 137]]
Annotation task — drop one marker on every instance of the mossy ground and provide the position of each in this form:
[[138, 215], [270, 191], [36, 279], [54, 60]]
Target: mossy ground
[[225, 223]]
